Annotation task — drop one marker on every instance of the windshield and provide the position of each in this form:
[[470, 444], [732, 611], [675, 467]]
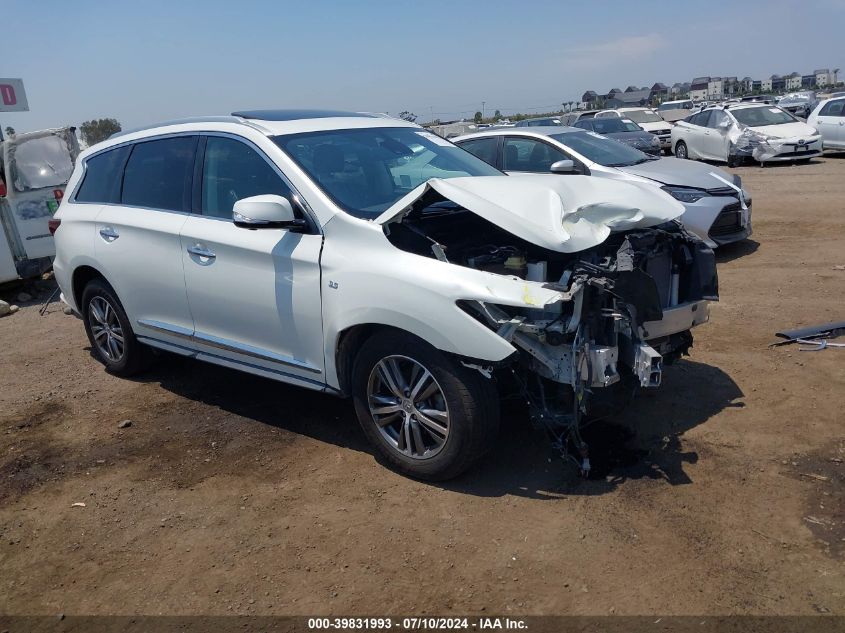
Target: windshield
[[675, 105], [612, 126], [41, 162], [764, 115], [601, 150], [366, 170], [643, 116]]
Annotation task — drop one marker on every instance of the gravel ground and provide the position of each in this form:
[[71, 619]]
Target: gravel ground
[[723, 492]]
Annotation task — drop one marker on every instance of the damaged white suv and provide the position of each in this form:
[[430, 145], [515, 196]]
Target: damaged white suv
[[364, 256]]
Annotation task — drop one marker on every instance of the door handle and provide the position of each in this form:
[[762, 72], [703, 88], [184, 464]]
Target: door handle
[[200, 251], [109, 234]]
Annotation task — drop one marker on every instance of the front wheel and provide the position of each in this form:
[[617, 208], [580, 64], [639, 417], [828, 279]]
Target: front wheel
[[681, 150], [430, 417]]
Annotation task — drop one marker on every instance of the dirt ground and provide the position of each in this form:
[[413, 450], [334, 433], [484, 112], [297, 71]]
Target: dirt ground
[[723, 492]]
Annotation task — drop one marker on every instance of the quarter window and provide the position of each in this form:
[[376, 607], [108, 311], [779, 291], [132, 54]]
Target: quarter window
[[523, 154], [484, 148], [232, 170], [158, 174], [102, 176]]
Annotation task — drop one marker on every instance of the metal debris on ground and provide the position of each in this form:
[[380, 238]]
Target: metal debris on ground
[[816, 336], [52, 296]]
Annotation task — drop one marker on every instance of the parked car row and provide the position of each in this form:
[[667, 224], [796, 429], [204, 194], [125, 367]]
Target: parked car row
[[716, 207]]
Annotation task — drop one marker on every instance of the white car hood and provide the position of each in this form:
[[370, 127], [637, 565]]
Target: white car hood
[[567, 214], [786, 130]]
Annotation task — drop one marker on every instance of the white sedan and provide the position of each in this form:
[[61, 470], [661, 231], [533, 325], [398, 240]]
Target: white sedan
[[733, 133], [829, 119]]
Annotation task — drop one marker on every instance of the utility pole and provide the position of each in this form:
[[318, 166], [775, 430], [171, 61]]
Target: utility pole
[[483, 103]]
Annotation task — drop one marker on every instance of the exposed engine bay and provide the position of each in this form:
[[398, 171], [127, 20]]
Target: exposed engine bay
[[626, 307]]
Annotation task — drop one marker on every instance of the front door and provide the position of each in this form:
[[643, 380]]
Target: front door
[[254, 294], [715, 139]]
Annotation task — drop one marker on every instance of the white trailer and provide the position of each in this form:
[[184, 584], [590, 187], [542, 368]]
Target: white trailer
[[34, 170]]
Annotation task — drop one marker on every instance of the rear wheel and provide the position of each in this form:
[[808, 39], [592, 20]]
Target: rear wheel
[[430, 417], [681, 150], [113, 342]]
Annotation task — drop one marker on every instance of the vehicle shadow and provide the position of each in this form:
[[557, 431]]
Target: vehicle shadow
[[730, 252], [643, 440]]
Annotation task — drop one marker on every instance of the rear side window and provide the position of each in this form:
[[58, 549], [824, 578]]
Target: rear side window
[[158, 174], [103, 172], [484, 148], [232, 170], [833, 108]]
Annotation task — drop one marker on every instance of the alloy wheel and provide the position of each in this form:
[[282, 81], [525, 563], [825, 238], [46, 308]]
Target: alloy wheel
[[106, 329], [408, 406]]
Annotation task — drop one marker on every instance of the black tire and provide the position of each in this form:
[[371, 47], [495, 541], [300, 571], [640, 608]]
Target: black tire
[[135, 356], [681, 150], [471, 399]]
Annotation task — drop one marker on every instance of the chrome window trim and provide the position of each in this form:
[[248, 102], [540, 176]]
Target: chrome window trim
[[315, 225], [157, 137]]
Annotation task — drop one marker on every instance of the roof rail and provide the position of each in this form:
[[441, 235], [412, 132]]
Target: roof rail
[[193, 119]]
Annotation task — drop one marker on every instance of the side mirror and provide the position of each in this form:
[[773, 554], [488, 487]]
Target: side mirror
[[563, 167], [267, 211]]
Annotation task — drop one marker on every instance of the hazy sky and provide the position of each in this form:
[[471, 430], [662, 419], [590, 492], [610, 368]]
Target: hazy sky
[[156, 60]]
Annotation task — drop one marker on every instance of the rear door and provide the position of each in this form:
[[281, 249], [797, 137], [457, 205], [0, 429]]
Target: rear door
[[137, 238], [254, 293], [694, 134]]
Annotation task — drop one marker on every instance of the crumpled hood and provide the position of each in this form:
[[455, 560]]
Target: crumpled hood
[[786, 130], [561, 214], [684, 173]]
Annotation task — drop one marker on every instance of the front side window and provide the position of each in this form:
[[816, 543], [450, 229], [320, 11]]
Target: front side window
[[158, 174], [525, 154], [102, 176], [41, 162], [484, 148], [717, 117], [601, 150], [232, 170], [833, 108], [366, 170], [764, 115]]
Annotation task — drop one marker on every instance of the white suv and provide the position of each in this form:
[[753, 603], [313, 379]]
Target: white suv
[[364, 256]]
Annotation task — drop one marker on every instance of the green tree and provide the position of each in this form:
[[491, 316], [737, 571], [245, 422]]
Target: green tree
[[478, 117], [497, 115], [407, 116], [97, 130], [10, 131]]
